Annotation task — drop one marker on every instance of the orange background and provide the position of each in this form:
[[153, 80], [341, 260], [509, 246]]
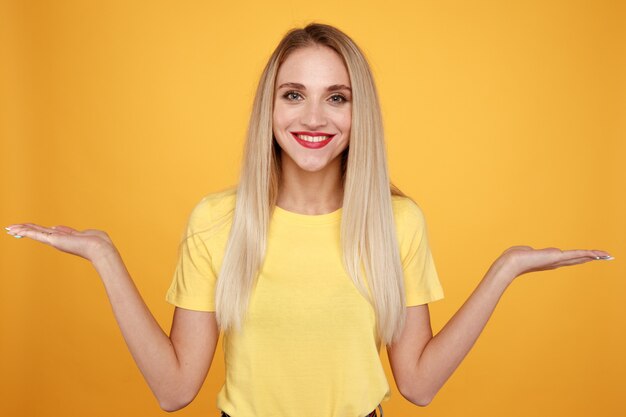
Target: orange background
[[505, 121]]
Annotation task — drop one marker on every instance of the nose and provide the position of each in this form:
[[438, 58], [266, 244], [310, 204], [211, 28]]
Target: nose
[[313, 115]]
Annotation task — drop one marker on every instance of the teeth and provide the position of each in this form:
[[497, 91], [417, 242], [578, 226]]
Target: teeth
[[313, 138]]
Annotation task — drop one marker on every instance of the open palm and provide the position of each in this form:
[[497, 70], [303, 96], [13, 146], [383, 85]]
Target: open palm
[[523, 259], [86, 243]]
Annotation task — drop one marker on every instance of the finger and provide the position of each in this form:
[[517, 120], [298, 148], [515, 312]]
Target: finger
[[13, 227], [575, 261], [40, 228], [581, 253], [15, 230], [31, 232], [65, 229], [568, 262], [46, 231], [18, 230], [602, 254], [11, 230]]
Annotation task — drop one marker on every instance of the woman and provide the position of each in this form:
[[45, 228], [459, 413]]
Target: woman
[[320, 260]]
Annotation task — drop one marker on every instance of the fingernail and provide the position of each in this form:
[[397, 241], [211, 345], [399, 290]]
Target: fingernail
[[17, 236], [605, 258], [7, 228]]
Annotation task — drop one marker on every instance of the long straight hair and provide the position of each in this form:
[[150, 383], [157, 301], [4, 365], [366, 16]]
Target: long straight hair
[[368, 238]]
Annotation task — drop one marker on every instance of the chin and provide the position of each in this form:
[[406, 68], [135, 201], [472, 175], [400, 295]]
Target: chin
[[309, 168]]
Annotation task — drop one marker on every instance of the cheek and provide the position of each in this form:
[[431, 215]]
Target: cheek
[[280, 123], [275, 116], [346, 122], [280, 117]]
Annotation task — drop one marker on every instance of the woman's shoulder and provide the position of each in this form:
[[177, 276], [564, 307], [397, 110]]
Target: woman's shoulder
[[213, 209], [405, 206], [223, 198], [408, 215]]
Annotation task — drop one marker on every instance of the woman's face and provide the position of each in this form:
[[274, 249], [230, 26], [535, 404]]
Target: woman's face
[[312, 109]]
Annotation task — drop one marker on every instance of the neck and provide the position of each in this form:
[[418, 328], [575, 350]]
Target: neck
[[310, 193]]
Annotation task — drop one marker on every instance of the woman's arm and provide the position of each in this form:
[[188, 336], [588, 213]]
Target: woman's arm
[[421, 364], [174, 367]]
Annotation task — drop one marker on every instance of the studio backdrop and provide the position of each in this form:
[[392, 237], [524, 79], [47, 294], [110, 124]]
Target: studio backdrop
[[505, 121]]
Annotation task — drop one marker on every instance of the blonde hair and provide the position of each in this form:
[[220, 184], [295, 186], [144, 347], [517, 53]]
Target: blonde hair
[[368, 236]]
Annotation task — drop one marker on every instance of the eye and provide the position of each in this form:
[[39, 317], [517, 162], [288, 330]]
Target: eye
[[338, 98], [291, 95]]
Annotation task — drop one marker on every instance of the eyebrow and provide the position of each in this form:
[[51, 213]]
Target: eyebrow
[[333, 87]]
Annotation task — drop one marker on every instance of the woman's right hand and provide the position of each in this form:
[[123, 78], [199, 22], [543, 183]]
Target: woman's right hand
[[88, 244]]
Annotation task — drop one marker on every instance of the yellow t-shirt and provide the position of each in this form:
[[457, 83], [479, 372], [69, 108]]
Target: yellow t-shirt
[[308, 346]]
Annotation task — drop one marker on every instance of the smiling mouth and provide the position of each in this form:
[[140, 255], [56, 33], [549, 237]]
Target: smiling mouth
[[312, 137], [312, 140]]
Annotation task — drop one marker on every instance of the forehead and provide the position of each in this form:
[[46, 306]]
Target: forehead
[[313, 66]]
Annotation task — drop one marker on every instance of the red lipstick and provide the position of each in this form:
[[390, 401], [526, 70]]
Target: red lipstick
[[312, 145]]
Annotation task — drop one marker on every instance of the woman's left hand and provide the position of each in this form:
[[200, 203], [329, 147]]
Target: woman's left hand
[[519, 260]]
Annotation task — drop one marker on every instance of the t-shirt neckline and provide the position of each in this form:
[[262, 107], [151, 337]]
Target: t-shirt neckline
[[313, 219]]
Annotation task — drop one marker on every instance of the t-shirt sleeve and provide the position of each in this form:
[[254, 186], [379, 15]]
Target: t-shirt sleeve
[[193, 284], [421, 281]]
